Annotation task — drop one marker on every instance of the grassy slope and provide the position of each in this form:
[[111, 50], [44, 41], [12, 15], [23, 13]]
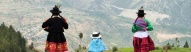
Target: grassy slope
[[28, 50], [160, 50]]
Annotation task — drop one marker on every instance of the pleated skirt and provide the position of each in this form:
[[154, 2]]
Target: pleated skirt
[[142, 42], [56, 42]]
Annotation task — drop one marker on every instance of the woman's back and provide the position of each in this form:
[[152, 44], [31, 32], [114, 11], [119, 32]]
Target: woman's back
[[140, 22], [55, 24]]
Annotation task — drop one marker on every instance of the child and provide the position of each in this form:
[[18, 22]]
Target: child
[[96, 45]]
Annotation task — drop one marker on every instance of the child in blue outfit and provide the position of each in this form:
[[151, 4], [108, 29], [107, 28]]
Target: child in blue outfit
[[96, 45]]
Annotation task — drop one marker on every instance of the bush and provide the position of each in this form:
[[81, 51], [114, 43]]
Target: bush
[[186, 45], [157, 48], [114, 49]]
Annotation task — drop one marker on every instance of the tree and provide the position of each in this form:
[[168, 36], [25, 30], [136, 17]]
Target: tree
[[11, 28], [3, 24], [114, 49], [80, 36], [84, 48], [177, 42], [11, 40], [168, 45], [78, 49], [173, 45], [31, 46], [186, 45]]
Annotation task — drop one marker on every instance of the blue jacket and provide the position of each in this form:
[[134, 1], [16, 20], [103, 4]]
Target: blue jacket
[[96, 45]]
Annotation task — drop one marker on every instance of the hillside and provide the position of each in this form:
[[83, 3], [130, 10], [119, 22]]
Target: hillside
[[11, 40], [112, 18]]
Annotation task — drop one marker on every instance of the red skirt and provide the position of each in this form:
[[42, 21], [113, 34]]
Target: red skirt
[[56, 42], [143, 43], [56, 47]]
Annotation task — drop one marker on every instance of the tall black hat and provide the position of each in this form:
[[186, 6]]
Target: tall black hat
[[141, 11], [55, 10]]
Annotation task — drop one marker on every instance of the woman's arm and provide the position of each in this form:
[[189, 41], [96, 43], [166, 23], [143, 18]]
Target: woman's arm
[[149, 25], [133, 29], [65, 24], [46, 23]]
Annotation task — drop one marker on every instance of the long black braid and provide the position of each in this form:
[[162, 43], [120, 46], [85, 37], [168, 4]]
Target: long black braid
[[136, 20], [51, 16], [60, 16], [63, 18], [139, 16]]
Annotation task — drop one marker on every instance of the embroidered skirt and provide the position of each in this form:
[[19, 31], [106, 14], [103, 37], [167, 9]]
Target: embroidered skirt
[[56, 42], [142, 42]]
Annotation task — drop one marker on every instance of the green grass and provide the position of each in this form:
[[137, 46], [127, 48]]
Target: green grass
[[34, 50], [175, 50], [159, 50]]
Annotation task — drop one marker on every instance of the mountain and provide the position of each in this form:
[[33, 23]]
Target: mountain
[[112, 18]]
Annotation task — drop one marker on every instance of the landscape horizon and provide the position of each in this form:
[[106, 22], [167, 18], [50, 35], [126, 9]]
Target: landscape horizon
[[114, 19]]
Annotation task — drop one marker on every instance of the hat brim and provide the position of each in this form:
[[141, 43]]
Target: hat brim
[[141, 13], [96, 37], [52, 11]]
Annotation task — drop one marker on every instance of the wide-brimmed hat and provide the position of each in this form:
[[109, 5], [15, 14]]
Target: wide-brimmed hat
[[141, 11], [56, 10], [96, 35]]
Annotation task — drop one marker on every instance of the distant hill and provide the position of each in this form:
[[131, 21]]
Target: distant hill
[[112, 18]]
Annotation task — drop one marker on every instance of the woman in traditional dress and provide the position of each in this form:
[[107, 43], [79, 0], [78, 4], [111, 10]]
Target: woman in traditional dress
[[141, 40], [56, 41], [96, 45]]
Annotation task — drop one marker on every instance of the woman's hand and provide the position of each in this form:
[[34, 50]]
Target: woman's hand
[[144, 29], [46, 27], [65, 20]]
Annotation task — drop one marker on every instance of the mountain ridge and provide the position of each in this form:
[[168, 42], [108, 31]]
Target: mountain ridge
[[112, 18]]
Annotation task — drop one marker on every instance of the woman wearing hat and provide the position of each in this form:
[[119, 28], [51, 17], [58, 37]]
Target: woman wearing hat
[[56, 41], [141, 40], [96, 45]]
